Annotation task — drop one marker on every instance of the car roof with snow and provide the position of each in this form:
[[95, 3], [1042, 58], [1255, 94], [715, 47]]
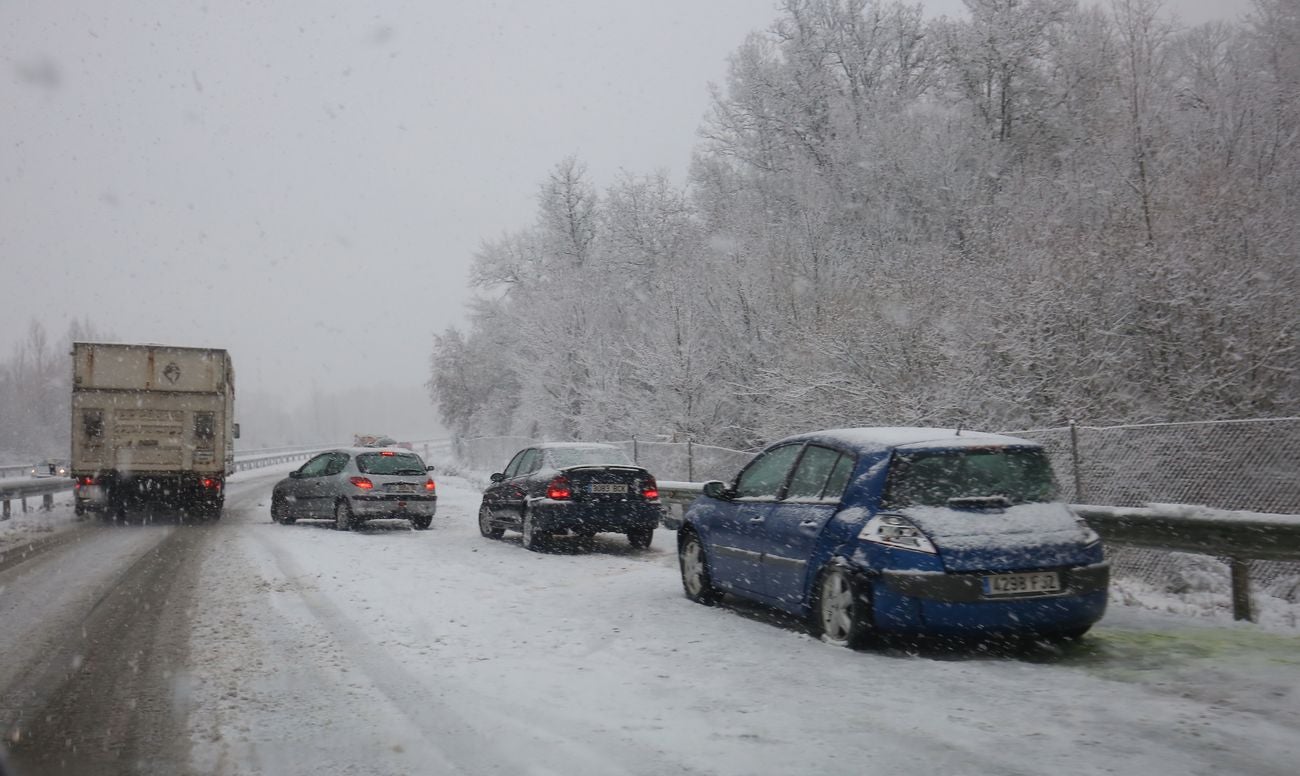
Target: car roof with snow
[[576, 446], [364, 450], [875, 440]]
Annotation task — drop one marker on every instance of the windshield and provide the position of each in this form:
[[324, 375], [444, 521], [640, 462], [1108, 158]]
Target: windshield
[[561, 457], [390, 463], [933, 478]]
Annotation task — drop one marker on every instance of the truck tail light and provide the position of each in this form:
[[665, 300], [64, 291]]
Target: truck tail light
[[362, 483], [559, 489], [85, 482], [211, 483]]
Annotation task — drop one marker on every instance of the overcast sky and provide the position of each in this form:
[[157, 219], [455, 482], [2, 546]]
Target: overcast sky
[[304, 182]]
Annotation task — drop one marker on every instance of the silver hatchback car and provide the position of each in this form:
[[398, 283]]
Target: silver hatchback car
[[355, 484]]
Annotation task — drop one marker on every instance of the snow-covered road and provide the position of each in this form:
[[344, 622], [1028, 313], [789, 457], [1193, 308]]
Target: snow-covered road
[[395, 651], [247, 647]]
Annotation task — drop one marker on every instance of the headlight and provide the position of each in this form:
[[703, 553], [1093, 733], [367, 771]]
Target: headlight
[[895, 531]]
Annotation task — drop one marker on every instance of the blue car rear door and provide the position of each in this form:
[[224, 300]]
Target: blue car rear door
[[738, 534], [795, 523]]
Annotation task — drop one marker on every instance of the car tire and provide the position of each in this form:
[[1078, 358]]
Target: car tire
[[694, 564], [640, 538], [586, 541], [422, 523], [534, 539], [343, 518], [486, 526], [841, 614]]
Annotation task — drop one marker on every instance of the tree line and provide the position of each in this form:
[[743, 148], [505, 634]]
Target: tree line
[[1042, 211]]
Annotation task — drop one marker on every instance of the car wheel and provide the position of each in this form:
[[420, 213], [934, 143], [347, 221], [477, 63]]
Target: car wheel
[[343, 520], [841, 614], [586, 541], [640, 538], [533, 538], [696, 580], [485, 525], [422, 523]]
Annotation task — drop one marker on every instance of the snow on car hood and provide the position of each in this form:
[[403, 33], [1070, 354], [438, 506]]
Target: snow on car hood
[[1022, 526]]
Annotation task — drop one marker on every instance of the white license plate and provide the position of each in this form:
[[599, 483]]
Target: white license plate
[[608, 487], [401, 487], [1031, 583]]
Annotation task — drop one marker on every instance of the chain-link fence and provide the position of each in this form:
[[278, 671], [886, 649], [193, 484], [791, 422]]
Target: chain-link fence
[[683, 461], [1250, 465]]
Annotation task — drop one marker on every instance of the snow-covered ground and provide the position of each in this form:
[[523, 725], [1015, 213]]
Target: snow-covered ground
[[395, 651]]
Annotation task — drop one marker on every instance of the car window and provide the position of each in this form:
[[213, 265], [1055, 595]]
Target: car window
[[834, 489], [390, 463], [531, 463], [513, 468], [336, 464], [812, 472], [764, 476], [316, 466], [560, 457], [931, 478]]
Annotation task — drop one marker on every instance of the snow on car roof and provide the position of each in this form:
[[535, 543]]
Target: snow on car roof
[[888, 437], [576, 446], [364, 450]]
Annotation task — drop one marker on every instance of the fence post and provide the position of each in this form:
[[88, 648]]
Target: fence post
[[1074, 464], [47, 502], [1240, 568], [690, 460], [635, 459]]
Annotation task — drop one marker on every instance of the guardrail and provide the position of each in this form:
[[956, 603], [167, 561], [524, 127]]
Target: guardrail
[[1239, 537]]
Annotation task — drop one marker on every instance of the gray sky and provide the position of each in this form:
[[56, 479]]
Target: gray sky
[[304, 182]]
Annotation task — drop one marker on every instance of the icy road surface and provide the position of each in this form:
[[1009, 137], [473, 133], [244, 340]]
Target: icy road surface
[[391, 651]]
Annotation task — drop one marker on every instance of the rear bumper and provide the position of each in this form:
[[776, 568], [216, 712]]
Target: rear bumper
[[393, 506], [955, 603], [596, 517]]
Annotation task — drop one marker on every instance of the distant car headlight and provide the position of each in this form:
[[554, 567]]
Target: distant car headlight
[[896, 531]]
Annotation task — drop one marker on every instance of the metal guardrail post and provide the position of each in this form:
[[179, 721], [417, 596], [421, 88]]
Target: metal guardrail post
[[1241, 608], [690, 459]]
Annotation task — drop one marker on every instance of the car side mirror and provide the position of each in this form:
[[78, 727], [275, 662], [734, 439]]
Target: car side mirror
[[430, 468], [498, 477], [295, 474], [717, 489]]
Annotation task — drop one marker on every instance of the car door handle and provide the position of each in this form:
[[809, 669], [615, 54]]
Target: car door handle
[[757, 519], [809, 523]]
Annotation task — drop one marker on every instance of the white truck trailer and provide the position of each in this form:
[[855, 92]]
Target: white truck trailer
[[151, 424]]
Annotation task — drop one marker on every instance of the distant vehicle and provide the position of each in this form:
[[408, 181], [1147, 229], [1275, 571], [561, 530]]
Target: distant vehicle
[[151, 424], [914, 530], [571, 488], [353, 485], [50, 467], [372, 440]]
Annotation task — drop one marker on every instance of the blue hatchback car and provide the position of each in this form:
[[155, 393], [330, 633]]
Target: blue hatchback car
[[905, 530]]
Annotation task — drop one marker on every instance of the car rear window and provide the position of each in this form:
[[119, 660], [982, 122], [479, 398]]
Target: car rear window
[[390, 463], [933, 478], [578, 456]]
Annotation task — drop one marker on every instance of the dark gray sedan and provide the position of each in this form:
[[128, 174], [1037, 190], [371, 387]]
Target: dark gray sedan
[[355, 484]]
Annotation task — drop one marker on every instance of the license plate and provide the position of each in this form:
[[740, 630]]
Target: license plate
[[608, 487], [1032, 583], [401, 487]]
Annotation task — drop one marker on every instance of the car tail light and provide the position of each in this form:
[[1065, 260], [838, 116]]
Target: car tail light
[[363, 483], [388, 453], [649, 488], [559, 489], [429, 485]]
